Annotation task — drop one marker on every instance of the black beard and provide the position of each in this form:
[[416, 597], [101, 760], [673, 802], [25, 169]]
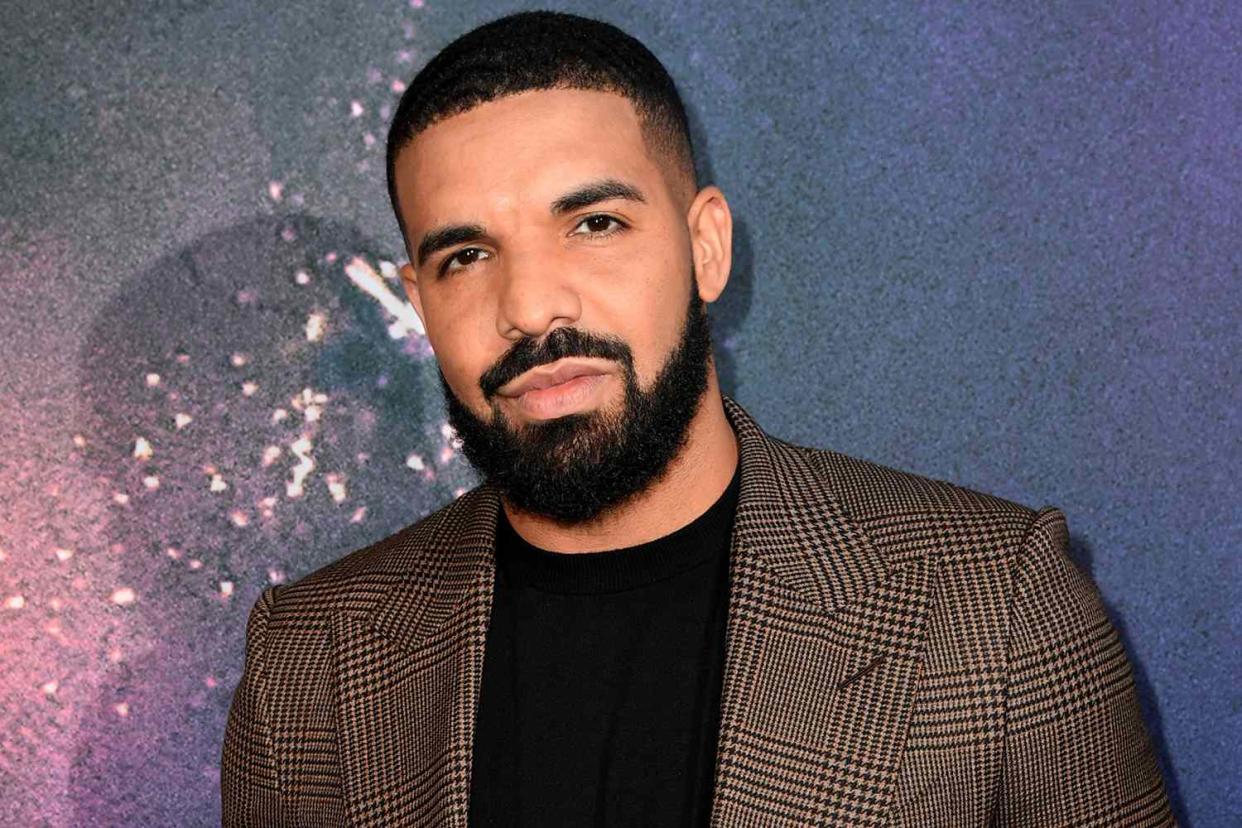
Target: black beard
[[572, 468]]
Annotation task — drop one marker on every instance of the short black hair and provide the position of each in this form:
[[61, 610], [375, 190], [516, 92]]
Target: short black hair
[[543, 50]]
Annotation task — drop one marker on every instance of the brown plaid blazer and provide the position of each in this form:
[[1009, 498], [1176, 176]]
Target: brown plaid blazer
[[900, 651]]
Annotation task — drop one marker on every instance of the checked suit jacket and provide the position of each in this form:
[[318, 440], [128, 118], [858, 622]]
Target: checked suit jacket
[[899, 651]]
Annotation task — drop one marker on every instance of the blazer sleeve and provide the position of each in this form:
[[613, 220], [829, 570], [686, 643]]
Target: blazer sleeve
[[249, 792], [1076, 749]]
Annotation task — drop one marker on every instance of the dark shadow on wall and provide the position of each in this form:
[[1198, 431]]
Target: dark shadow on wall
[[1082, 553], [207, 386], [729, 311]]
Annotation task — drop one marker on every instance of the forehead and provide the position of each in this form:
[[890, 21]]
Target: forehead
[[518, 151]]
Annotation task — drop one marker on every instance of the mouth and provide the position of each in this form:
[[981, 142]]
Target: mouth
[[549, 376], [561, 399]]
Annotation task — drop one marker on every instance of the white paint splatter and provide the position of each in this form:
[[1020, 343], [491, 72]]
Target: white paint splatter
[[142, 449], [405, 318], [336, 486], [301, 449], [315, 326]]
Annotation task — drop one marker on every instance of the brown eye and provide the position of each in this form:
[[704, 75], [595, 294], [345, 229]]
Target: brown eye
[[464, 258], [600, 224]]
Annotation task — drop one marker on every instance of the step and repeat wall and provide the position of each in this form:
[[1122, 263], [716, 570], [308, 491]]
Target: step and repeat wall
[[996, 245]]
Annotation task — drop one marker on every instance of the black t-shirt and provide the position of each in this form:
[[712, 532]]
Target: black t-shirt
[[600, 700]]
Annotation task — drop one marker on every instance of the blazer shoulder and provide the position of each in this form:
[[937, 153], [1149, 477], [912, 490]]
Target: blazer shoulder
[[909, 515], [359, 578], [870, 491]]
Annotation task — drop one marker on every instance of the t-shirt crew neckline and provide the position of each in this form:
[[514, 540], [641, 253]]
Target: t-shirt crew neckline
[[615, 570]]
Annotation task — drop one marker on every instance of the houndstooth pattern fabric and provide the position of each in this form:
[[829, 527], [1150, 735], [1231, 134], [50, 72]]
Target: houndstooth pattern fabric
[[900, 651]]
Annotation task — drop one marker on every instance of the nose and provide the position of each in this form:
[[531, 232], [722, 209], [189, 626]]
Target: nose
[[536, 295]]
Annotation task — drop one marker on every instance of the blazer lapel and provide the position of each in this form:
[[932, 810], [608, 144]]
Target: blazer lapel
[[823, 645], [409, 672]]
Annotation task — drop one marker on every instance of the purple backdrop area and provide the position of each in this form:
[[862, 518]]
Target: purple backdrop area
[[997, 246]]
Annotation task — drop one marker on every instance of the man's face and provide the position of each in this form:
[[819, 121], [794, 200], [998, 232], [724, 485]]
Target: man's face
[[544, 236]]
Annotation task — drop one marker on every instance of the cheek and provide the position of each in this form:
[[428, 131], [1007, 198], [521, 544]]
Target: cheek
[[458, 351], [647, 309]]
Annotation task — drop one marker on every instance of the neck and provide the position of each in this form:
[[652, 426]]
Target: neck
[[695, 478]]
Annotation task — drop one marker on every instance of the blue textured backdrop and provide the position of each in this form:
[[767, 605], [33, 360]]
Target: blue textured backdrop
[[996, 245]]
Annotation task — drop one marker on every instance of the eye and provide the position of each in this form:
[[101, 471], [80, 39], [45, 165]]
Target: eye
[[598, 225], [465, 257]]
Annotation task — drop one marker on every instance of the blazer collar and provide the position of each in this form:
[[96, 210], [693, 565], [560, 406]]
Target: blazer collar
[[787, 514]]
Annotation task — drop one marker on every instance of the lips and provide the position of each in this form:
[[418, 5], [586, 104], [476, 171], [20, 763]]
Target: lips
[[548, 376]]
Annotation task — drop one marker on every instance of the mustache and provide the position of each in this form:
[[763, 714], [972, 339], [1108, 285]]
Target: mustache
[[528, 353]]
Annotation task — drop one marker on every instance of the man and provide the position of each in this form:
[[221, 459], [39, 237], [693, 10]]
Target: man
[[652, 612]]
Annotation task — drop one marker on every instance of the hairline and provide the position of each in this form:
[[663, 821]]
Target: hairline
[[676, 162]]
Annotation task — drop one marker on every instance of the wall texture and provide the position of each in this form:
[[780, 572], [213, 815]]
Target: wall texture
[[998, 246]]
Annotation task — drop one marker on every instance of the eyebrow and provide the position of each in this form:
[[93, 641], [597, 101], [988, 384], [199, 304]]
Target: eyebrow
[[442, 237], [593, 192]]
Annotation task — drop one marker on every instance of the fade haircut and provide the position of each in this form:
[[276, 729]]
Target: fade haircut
[[545, 50]]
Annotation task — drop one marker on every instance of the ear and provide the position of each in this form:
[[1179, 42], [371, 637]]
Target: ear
[[409, 281], [711, 240]]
